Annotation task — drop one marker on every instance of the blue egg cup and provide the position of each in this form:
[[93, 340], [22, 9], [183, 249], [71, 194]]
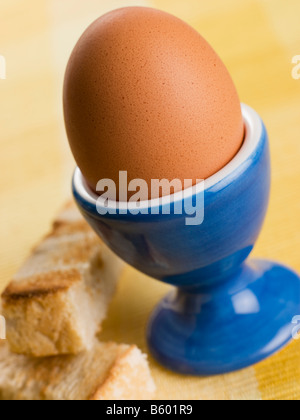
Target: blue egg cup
[[226, 312]]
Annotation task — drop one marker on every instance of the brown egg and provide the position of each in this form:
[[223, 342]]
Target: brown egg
[[146, 94]]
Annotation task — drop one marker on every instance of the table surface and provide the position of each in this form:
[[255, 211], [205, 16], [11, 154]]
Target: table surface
[[257, 40]]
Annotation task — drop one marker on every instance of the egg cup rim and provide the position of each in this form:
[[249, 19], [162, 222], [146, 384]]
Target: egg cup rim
[[254, 129]]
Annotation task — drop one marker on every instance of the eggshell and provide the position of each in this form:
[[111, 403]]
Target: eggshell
[[146, 94]]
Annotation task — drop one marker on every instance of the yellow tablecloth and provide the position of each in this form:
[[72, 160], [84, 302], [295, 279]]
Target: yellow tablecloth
[[257, 40]]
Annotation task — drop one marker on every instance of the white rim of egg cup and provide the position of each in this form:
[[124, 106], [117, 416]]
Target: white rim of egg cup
[[253, 133]]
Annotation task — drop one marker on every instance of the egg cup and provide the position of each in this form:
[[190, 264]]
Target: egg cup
[[225, 312]]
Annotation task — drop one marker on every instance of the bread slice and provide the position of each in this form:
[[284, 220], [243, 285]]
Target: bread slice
[[107, 372], [57, 301]]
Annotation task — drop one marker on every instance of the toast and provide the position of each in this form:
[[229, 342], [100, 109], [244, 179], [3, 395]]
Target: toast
[[57, 301], [106, 372]]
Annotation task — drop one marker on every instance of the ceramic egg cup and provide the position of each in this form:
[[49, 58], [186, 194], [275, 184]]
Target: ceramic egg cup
[[225, 312]]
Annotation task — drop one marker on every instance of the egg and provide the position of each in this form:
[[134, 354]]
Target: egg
[[145, 93]]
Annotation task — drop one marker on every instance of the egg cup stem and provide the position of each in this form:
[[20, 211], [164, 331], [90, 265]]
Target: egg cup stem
[[228, 326]]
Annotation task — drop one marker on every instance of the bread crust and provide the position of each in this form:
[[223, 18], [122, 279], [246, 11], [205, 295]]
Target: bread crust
[[57, 301], [130, 363], [108, 371]]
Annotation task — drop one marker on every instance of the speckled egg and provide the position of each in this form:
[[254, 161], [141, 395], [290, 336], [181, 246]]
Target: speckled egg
[[146, 94]]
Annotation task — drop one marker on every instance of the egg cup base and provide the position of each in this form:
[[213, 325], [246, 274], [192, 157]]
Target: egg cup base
[[225, 328]]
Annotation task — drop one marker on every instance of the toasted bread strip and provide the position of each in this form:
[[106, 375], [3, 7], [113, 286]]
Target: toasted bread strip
[[107, 372], [57, 301]]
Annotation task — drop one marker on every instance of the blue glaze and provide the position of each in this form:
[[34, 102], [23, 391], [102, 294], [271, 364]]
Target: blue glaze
[[229, 326], [200, 330]]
